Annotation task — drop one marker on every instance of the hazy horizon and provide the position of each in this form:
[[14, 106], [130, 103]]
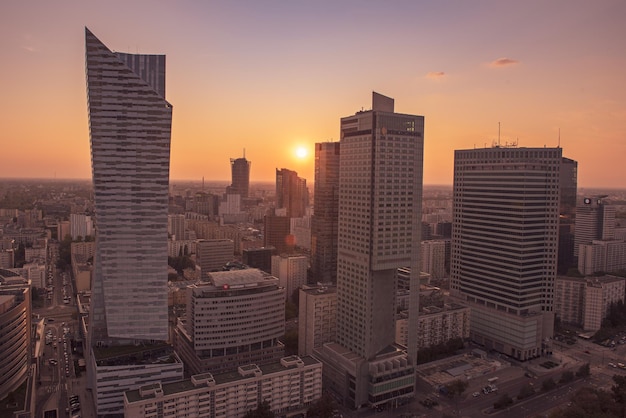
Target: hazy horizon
[[270, 79]]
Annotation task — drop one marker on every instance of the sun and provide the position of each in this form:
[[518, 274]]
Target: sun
[[301, 152]]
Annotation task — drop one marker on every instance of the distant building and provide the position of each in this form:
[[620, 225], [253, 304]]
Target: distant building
[[240, 175], [433, 258], [595, 220], [317, 317], [324, 222], [569, 299], [260, 257], [567, 210], [301, 231], [600, 293], [150, 364], [584, 302], [290, 385], [7, 258], [291, 193], [606, 256], [81, 225], [277, 233], [15, 331], [63, 230], [213, 254], [176, 227], [233, 318], [291, 271], [436, 325]]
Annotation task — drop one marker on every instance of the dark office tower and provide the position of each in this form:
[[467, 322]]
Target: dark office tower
[[240, 168], [291, 193], [504, 245], [326, 212], [260, 258], [129, 129], [277, 233], [567, 209], [380, 201]]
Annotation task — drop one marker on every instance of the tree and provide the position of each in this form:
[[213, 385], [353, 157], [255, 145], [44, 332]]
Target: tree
[[503, 401], [548, 384], [262, 411], [619, 392], [566, 377], [526, 391], [324, 407], [583, 371], [455, 391], [291, 311], [291, 342]]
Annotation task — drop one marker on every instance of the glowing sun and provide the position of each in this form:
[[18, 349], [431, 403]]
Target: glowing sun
[[301, 152]]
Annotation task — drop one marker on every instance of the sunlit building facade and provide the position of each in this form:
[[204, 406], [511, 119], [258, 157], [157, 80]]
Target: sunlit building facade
[[379, 227]]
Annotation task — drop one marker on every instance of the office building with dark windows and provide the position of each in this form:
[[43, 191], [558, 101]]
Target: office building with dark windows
[[504, 245]]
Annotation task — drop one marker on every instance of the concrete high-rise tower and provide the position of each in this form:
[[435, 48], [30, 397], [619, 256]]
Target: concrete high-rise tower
[[291, 193], [504, 245], [326, 212], [380, 199], [129, 126]]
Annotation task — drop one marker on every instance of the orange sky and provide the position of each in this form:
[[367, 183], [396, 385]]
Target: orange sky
[[270, 76]]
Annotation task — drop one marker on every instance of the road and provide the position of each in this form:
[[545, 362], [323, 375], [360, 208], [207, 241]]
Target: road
[[56, 364]]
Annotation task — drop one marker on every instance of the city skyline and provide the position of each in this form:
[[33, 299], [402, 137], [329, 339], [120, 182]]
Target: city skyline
[[275, 76]]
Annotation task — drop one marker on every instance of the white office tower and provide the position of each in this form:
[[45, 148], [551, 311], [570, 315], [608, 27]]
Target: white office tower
[[176, 227], [129, 127], [380, 198], [291, 271], [504, 245], [81, 225]]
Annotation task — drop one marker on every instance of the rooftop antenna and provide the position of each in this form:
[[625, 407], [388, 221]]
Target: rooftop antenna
[[244, 153], [498, 133], [203, 183], [559, 146]]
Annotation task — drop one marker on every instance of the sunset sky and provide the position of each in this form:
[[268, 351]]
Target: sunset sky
[[272, 76]]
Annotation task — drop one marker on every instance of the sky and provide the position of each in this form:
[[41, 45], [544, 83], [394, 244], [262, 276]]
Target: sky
[[270, 77]]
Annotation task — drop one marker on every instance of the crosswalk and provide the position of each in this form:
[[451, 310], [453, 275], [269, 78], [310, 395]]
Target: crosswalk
[[53, 388]]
